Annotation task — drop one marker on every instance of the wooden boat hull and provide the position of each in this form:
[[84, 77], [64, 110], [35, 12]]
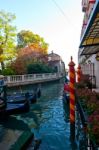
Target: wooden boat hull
[[12, 109], [20, 98], [16, 99], [2, 104], [17, 108], [31, 97]]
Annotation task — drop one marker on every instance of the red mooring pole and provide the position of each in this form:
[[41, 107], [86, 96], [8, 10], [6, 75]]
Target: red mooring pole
[[72, 99], [78, 73]]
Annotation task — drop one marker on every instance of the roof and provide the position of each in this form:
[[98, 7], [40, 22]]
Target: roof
[[90, 38], [54, 57], [53, 54]]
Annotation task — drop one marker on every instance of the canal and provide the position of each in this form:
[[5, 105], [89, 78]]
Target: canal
[[51, 123], [48, 119]]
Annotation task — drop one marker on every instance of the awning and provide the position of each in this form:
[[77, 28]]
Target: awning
[[90, 38], [90, 50]]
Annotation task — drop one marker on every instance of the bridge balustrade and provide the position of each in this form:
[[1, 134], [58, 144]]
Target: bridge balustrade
[[14, 79]]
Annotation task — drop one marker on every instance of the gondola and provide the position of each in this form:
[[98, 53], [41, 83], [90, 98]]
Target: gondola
[[16, 103], [7, 108], [16, 98], [17, 108], [31, 97], [20, 97]]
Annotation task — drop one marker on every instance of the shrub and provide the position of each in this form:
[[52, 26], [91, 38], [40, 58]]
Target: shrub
[[39, 67], [8, 71], [93, 126]]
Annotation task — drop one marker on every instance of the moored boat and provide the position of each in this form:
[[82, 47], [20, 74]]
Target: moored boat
[[12, 109], [32, 98], [7, 108], [20, 97], [16, 98], [17, 108], [2, 104], [16, 103]]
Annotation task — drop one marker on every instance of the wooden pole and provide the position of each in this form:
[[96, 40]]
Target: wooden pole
[[72, 99]]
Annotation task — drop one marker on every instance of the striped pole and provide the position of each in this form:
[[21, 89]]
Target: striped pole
[[72, 99], [78, 73]]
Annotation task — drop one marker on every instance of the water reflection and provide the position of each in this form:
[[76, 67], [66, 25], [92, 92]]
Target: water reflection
[[11, 123], [66, 111], [10, 130]]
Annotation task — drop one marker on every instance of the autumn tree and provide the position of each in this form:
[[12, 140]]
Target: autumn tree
[[28, 38], [19, 66], [7, 37], [31, 48], [25, 57]]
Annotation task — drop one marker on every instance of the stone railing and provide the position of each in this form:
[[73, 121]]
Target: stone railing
[[14, 80]]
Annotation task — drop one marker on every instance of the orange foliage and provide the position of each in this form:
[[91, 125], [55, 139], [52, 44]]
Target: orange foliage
[[19, 66], [33, 51]]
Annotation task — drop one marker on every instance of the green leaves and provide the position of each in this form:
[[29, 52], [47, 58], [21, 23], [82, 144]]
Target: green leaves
[[38, 67], [7, 36], [26, 37]]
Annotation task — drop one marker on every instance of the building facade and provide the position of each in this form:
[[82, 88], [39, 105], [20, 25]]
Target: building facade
[[55, 61], [88, 54]]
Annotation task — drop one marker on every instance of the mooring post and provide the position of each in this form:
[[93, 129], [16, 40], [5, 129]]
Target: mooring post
[[79, 73], [72, 99]]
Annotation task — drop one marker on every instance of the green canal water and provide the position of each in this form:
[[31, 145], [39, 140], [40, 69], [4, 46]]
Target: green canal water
[[48, 119]]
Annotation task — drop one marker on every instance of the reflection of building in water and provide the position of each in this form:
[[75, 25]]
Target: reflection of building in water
[[89, 45], [55, 61]]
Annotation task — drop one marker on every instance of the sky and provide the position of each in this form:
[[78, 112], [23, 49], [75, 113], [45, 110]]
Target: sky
[[59, 22]]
